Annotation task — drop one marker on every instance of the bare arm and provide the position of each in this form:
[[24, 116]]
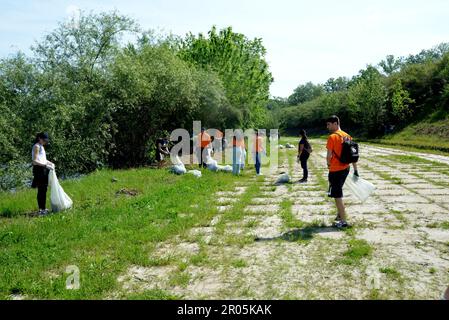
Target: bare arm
[[36, 162], [329, 157]]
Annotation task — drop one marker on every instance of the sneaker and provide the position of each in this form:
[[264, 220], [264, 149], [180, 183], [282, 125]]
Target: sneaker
[[302, 181], [341, 224], [43, 212]]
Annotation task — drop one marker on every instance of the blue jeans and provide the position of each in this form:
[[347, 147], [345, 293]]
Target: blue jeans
[[235, 162]]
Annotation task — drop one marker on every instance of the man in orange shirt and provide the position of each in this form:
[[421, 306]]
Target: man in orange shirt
[[338, 171], [204, 141]]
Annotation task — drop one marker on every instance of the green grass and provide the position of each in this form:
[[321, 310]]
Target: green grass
[[430, 135], [391, 273], [155, 294], [103, 234], [239, 263], [357, 250]]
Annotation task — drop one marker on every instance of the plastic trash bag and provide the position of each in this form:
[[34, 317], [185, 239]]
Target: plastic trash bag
[[281, 146], [284, 178], [196, 173], [58, 198], [227, 168], [210, 162], [289, 146], [361, 188], [178, 167]]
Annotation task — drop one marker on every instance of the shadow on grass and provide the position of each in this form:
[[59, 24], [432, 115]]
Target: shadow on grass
[[303, 234]]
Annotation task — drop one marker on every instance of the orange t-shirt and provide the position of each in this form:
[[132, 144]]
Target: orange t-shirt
[[258, 144], [239, 142], [203, 140], [334, 144]]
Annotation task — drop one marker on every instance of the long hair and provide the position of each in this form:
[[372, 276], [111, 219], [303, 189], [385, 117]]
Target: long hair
[[303, 134], [38, 137]]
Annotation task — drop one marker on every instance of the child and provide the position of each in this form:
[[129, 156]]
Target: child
[[41, 167]]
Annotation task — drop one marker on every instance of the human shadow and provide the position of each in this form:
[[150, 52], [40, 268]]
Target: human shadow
[[302, 234]]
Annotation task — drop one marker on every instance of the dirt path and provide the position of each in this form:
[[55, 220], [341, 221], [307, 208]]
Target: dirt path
[[276, 242]]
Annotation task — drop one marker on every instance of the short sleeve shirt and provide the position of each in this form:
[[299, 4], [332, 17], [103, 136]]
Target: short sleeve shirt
[[334, 144]]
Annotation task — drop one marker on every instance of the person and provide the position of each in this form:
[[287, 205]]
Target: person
[[304, 150], [236, 157], [161, 150], [217, 142], [41, 167], [204, 141], [338, 171], [258, 150], [238, 152], [446, 294]]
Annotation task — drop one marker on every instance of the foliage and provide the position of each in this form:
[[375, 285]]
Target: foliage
[[241, 66]]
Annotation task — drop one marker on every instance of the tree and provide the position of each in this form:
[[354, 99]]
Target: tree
[[391, 64], [304, 93], [367, 101], [401, 102], [241, 66], [336, 85]]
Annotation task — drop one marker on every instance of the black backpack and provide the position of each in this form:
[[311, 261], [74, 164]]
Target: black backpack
[[349, 151]]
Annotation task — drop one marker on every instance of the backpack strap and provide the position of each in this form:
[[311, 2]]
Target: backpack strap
[[338, 158]]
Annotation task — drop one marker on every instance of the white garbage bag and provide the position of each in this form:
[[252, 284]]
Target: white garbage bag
[[58, 198], [196, 173], [289, 146], [361, 188], [284, 178], [178, 167], [227, 168], [211, 163], [281, 146]]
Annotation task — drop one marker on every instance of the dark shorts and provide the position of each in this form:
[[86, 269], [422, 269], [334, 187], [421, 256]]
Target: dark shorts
[[40, 178], [336, 182]]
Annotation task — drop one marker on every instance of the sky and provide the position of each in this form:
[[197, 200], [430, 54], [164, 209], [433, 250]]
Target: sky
[[306, 40]]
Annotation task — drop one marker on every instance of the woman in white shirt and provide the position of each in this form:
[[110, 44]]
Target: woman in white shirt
[[41, 167]]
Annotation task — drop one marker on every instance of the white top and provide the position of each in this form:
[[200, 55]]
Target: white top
[[41, 156]]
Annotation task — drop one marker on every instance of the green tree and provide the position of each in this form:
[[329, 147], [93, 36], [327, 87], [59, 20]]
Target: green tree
[[391, 64], [401, 102], [367, 101], [304, 93], [241, 66], [336, 85]]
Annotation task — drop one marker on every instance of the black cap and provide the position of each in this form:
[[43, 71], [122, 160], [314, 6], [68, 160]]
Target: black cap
[[43, 136]]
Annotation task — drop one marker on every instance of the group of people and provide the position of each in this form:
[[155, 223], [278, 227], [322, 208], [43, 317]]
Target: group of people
[[205, 145]]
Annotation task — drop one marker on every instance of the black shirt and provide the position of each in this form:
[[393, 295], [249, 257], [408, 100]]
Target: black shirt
[[306, 144]]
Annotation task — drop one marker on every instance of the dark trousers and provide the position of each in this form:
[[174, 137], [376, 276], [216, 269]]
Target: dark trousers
[[304, 167], [42, 197], [258, 164], [40, 181], [202, 163]]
